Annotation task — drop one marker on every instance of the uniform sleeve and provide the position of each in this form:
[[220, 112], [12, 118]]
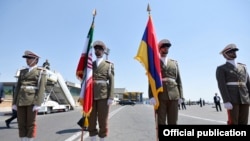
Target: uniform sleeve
[[179, 82], [17, 88], [220, 76], [111, 81], [247, 81], [41, 89]]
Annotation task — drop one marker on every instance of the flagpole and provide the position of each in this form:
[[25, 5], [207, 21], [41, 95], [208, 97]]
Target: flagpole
[[155, 113], [229, 121], [94, 14]]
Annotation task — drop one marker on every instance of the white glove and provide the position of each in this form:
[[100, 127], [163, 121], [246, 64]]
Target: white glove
[[110, 101], [36, 108], [228, 106], [14, 107], [152, 101]]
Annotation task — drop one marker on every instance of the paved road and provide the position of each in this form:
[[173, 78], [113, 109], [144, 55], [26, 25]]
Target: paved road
[[126, 123]]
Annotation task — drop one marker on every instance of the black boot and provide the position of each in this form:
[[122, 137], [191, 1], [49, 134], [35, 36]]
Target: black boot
[[7, 123]]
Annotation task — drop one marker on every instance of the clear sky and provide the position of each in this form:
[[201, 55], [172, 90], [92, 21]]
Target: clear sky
[[57, 29]]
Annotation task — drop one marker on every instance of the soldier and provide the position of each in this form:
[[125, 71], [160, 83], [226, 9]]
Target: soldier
[[28, 96], [9, 120], [14, 112], [46, 64], [2, 95], [217, 102], [103, 79], [183, 104], [172, 88], [234, 85]]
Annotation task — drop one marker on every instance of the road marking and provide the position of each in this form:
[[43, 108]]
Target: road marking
[[78, 134], [202, 118]]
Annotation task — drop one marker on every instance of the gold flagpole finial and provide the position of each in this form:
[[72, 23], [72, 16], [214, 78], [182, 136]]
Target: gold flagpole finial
[[94, 12], [148, 9]]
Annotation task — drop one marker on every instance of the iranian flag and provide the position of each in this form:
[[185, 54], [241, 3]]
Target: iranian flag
[[84, 74]]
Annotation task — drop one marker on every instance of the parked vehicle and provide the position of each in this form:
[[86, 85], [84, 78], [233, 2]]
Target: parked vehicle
[[127, 102]]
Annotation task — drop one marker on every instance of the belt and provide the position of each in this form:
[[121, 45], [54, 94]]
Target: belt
[[29, 87], [165, 79], [100, 81], [235, 83]]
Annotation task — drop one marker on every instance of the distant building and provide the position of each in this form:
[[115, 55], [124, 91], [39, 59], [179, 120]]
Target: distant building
[[123, 94], [75, 89]]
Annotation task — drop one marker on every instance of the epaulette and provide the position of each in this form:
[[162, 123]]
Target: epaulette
[[108, 61], [23, 68], [241, 64], [110, 66], [244, 65], [42, 68], [173, 60]]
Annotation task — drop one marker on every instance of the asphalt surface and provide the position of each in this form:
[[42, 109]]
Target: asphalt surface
[[126, 123]]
